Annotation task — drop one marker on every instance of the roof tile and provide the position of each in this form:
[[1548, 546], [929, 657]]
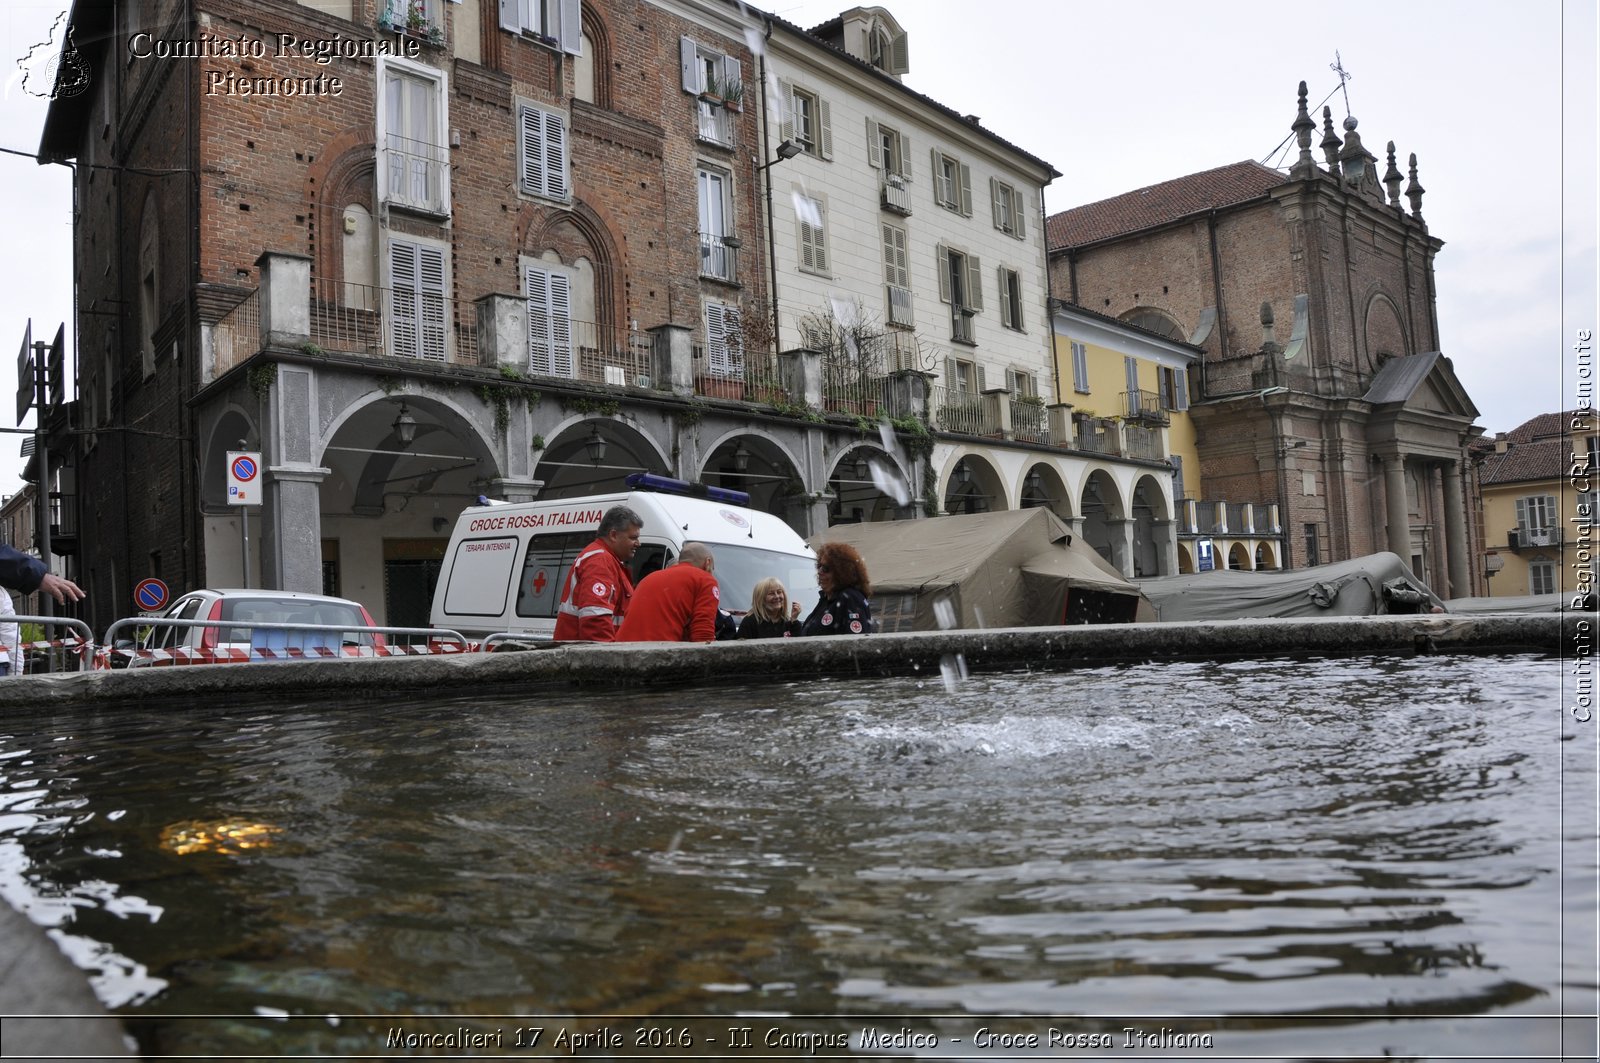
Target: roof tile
[[1158, 204]]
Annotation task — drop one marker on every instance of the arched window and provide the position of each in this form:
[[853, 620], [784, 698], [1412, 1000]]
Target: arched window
[[1153, 320]]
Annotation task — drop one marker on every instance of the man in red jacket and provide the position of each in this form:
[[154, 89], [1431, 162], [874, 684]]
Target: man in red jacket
[[677, 604], [598, 589]]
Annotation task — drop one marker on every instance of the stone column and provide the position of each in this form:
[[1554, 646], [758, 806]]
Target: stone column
[[503, 331], [1120, 534], [1399, 510], [1165, 535], [1457, 543], [800, 372], [291, 513], [672, 359]]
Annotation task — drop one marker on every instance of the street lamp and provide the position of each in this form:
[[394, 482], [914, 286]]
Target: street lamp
[[595, 445], [741, 459], [963, 474], [405, 426]]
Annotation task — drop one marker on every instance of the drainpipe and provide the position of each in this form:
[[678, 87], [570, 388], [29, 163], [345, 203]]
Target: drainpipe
[[766, 173]]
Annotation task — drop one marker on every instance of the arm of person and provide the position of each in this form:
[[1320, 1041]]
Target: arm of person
[[594, 595], [703, 618]]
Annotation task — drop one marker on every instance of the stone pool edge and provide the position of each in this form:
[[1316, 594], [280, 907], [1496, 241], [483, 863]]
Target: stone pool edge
[[663, 664]]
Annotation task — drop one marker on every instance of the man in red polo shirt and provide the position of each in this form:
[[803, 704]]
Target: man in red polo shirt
[[677, 604], [598, 589]]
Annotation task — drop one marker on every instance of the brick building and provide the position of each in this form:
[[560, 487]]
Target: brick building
[[417, 250], [1349, 417]]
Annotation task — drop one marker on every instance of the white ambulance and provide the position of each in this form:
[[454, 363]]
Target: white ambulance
[[507, 561]]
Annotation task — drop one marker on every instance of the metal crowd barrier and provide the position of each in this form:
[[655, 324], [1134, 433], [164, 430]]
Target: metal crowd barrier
[[55, 651], [435, 641]]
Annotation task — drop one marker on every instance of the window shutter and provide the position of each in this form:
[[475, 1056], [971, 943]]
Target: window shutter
[[903, 162], [1011, 382], [732, 71], [555, 156], [1007, 309], [942, 270], [941, 190], [570, 32], [1016, 213], [981, 385], [532, 149], [1080, 368], [403, 299], [813, 237], [1522, 512], [561, 325], [722, 344], [974, 283], [899, 55], [689, 60], [1130, 370], [874, 148], [537, 283], [996, 208], [1181, 388], [952, 380], [510, 18], [824, 129], [966, 190], [786, 98], [431, 300]]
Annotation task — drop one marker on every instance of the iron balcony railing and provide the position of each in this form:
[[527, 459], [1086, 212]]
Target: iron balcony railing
[[1144, 406], [1028, 420], [1142, 442], [399, 322], [416, 170], [961, 411], [1097, 435], [719, 259], [851, 386]]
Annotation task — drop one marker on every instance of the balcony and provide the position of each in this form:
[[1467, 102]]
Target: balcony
[[719, 257], [1143, 442], [1521, 538], [962, 329], [1097, 435], [417, 173], [1202, 518], [896, 197], [853, 386], [961, 411], [1144, 407], [1029, 423], [715, 123]]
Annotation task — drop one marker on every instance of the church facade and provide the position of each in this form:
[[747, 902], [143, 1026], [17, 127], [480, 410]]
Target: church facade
[[1323, 384]]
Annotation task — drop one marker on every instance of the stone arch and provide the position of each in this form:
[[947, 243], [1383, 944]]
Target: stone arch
[[1154, 319], [366, 423], [564, 464], [980, 491], [233, 426], [1040, 484], [574, 236], [1185, 559], [1104, 516], [773, 476], [597, 53], [1267, 556], [344, 174], [1383, 331], [854, 479], [1239, 558], [1150, 509]]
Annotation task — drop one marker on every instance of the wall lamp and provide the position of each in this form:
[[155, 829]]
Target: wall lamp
[[787, 149], [963, 474], [741, 459], [405, 426], [595, 445]]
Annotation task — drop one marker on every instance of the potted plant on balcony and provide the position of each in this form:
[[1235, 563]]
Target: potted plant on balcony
[[413, 22], [712, 92], [733, 94]]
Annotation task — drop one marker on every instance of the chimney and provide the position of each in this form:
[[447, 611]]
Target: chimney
[[1500, 443]]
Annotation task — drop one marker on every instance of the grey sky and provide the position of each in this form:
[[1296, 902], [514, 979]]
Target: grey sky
[[1499, 108]]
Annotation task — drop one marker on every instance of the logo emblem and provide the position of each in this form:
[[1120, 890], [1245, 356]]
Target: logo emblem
[[855, 626], [737, 520], [599, 590]]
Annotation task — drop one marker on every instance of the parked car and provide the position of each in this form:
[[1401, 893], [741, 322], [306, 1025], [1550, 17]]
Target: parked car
[[253, 613]]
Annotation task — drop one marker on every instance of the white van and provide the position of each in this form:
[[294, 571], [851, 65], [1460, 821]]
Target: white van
[[507, 561]]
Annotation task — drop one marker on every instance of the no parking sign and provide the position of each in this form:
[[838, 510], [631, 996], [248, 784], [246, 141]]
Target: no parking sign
[[244, 478], [149, 595]]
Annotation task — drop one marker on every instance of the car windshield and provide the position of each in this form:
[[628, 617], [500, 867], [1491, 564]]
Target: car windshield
[[740, 568], [260, 612]]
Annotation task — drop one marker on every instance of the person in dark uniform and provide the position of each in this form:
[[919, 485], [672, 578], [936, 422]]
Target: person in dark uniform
[[843, 608], [770, 616]]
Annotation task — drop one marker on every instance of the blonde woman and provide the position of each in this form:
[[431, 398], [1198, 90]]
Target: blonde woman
[[771, 615]]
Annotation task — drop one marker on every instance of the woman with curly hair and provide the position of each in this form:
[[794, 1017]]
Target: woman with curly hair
[[770, 616], [843, 608]]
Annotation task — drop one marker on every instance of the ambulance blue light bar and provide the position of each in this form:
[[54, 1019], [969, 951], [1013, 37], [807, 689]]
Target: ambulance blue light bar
[[649, 481]]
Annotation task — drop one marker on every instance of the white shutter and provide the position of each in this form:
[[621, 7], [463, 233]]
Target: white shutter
[[532, 150], [996, 208], [786, 102], [1011, 381], [1016, 213], [570, 32], [813, 240], [941, 269], [903, 163], [1006, 309], [966, 190], [510, 16], [433, 317], [723, 356], [689, 60], [942, 193], [549, 322], [1080, 367], [981, 386], [1180, 387], [974, 283], [403, 310], [824, 128], [555, 156], [1130, 370], [561, 325], [1522, 513], [732, 71], [899, 55], [874, 145], [952, 380]]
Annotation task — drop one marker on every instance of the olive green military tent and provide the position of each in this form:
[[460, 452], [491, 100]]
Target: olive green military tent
[[1015, 568], [1362, 586]]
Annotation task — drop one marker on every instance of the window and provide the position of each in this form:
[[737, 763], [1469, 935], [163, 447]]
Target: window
[[549, 293], [1536, 517], [724, 340], [897, 275], [1022, 383], [887, 52], [1010, 298], [807, 121], [952, 183], [1006, 204], [1542, 577], [1174, 385], [557, 23], [811, 214], [888, 150], [1312, 556], [413, 170], [542, 153], [717, 259], [963, 377], [417, 299], [1080, 368], [960, 285], [720, 77], [149, 303], [420, 17]]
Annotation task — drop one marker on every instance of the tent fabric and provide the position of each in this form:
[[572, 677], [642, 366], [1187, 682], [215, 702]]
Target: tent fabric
[[1518, 603], [1362, 586], [1011, 568]]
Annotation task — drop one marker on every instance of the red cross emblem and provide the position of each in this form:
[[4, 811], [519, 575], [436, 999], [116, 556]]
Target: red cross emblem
[[539, 581]]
